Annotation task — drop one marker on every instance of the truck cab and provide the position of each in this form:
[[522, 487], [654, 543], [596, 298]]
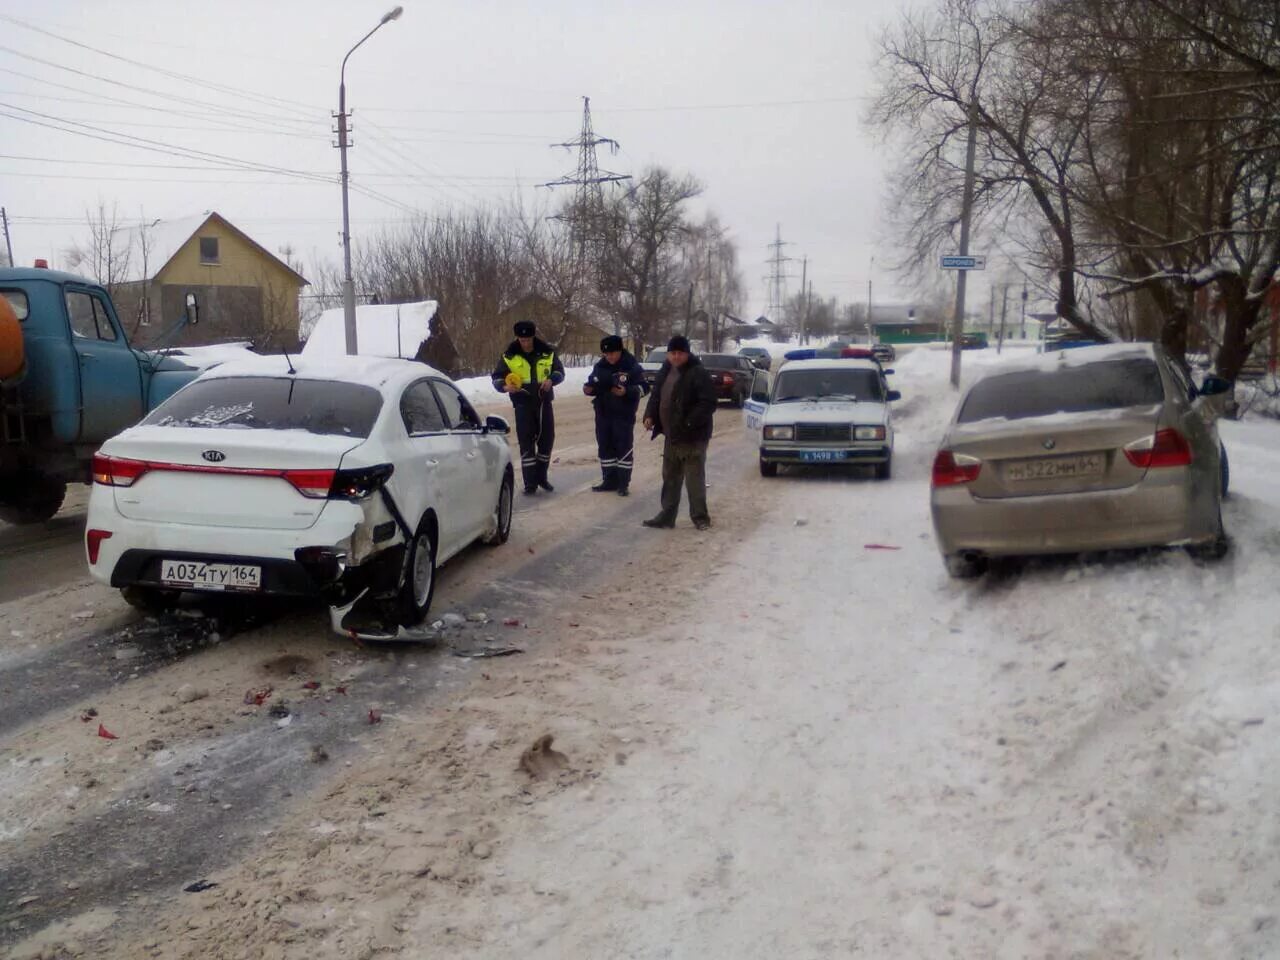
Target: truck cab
[[82, 384]]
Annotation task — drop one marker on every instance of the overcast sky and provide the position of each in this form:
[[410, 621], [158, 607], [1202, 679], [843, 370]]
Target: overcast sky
[[455, 104]]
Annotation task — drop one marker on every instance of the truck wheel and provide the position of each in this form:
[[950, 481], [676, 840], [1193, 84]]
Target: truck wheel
[[31, 497], [884, 470]]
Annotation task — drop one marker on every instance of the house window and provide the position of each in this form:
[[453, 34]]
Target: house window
[[209, 250]]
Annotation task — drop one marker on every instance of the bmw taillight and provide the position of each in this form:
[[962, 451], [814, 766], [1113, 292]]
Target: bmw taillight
[[950, 469], [117, 471], [1164, 448]]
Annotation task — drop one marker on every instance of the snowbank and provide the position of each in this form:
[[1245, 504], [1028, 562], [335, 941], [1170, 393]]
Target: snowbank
[[382, 330], [479, 390]]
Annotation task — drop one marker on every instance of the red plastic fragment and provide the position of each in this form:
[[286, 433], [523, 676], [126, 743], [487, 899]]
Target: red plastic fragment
[[879, 546], [511, 622], [375, 716], [106, 734], [341, 690], [256, 698]]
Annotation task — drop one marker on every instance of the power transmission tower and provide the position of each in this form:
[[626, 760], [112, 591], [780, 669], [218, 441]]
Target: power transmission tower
[[584, 216], [777, 280]]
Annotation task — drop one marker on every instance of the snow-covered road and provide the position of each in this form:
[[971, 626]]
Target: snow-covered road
[[785, 740]]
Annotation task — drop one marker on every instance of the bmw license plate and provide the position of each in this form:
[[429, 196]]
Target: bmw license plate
[[194, 575], [1055, 468], [821, 456]]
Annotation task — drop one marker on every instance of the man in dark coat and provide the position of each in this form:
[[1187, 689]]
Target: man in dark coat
[[614, 385], [528, 372], [681, 408]]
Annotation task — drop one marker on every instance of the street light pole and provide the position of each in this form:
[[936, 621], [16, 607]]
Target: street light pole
[[348, 284]]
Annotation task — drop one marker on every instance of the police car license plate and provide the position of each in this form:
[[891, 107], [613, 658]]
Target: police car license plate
[[194, 575], [821, 456]]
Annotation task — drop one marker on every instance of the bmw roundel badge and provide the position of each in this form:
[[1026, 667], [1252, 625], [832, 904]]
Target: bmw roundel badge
[[1049, 443]]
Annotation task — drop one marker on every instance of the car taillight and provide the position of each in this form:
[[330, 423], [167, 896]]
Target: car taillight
[[359, 482], [1164, 448], [93, 543], [117, 471], [950, 469], [315, 484]]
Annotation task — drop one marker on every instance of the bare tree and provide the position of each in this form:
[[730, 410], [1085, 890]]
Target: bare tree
[[106, 253]]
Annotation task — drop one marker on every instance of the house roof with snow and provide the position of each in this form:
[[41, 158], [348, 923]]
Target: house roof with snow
[[165, 239]]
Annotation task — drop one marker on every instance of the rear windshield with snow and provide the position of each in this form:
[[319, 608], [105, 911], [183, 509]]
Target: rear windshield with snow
[[1103, 385], [849, 383], [272, 403]]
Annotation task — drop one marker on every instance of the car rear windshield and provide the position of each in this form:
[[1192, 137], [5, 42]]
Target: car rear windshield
[[851, 384], [272, 403], [1104, 385], [721, 361], [656, 355]]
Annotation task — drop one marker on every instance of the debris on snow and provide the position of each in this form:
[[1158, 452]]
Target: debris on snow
[[541, 761], [106, 734], [189, 693]]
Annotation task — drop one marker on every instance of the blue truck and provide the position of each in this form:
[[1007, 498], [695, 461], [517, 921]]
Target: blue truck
[[81, 382]]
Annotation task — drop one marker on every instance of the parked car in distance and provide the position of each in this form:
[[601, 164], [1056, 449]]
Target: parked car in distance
[[652, 363], [346, 478], [973, 340], [1104, 447], [884, 352], [759, 357], [823, 411], [731, 375]]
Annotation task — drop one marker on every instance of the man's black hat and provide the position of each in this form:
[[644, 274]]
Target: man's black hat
[[525, 328], [610, 344], [678, 343]]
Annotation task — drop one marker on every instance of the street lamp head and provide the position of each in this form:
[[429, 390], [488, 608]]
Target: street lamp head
[[392, 14]]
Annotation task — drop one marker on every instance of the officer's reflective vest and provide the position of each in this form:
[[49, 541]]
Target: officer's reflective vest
[[520, 366]]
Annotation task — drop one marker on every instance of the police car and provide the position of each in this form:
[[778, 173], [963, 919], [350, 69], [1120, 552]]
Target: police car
[[823, 411]]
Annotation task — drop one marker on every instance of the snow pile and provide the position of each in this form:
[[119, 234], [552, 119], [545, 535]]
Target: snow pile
[[382, 330], [479, 390]]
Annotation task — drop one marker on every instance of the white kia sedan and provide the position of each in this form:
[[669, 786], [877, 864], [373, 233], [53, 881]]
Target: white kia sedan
[[346, 478], [823, 411]]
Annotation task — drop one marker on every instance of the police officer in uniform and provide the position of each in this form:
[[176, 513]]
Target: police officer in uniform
[[615, 385], [527, 372]]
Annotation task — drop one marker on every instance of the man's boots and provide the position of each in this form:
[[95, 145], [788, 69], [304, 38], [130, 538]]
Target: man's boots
[[609, 483]]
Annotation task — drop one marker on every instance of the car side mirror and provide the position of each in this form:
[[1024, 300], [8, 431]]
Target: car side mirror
[[192, 310], [887, 371], [892, 395], [494, 424], [1214, 385]]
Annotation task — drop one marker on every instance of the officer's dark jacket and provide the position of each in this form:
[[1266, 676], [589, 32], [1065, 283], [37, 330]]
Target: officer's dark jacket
[[604, 376], [539, 364]]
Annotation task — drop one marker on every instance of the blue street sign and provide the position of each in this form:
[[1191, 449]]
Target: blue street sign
[[964, 263]]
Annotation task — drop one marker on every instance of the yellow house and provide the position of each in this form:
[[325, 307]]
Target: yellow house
[[245, 291]]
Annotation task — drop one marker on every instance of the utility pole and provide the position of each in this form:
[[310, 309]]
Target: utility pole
[[1024, 310], [957, 321], [804, 317], [1004, 309], [713, 341], [777, 279], [8, 245], [585, 217], [348, 284]]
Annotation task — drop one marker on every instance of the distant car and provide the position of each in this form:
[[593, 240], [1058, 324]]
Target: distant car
[[652, 363], [973, 341], [731, 375], [759, 357], [823, 411], [884, 352], [346, 478], [1104, 447]]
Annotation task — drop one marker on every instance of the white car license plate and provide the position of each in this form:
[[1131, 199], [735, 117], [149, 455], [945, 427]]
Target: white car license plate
[[194, 575], [821, 456], [1056, 468]]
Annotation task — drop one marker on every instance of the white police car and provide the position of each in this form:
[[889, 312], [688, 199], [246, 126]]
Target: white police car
[[823, 411]]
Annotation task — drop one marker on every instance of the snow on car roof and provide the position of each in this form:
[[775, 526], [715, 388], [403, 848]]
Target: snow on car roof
[[1075, 357], [372, 371]]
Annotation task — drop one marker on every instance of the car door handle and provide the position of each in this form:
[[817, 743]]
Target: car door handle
[[431, 462], [471, 454], [87, 356]]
